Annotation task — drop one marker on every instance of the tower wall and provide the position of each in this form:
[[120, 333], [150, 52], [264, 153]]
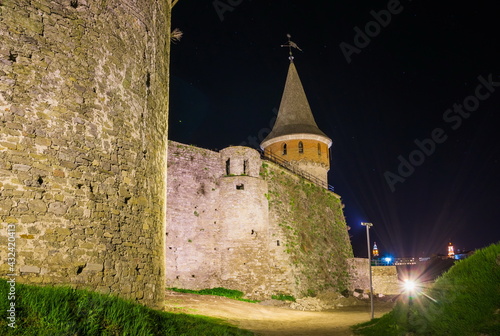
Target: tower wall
[[310, 151], [84, 108], [244, 226], [311, 157]]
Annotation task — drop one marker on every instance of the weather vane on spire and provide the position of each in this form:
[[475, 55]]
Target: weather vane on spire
[[291, 45]]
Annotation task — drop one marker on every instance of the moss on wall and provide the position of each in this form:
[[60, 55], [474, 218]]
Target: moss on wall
[[312, 222]]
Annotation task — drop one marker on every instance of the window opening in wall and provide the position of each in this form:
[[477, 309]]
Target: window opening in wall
[[278, 243], [284, 149], [319, 149], [245, 167], [228, 166], [240, 186], [301, 147]]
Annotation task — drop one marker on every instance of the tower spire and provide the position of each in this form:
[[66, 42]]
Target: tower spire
[[295, 137]]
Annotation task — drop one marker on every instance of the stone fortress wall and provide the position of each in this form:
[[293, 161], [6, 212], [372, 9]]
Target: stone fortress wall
[[83, 149], [239, 222]]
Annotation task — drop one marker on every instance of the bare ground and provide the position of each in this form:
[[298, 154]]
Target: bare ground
[[274, 321]]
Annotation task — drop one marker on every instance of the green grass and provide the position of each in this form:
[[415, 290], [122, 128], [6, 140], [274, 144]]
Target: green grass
[[218, 291], [63, 311], [283, 297], [468, 303]]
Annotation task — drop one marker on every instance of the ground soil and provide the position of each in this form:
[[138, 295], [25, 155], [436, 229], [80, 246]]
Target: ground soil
[[274, 321]]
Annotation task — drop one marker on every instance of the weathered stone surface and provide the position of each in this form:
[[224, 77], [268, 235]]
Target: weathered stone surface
[[384, 278], [29, 269], [84, 104], [94, 268], [238, 222]]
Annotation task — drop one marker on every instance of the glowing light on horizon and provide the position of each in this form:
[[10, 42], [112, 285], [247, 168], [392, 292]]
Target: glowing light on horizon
[[375, 250], [451, 251]]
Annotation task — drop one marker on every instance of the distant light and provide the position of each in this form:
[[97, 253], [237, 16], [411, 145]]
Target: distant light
[[388, 260], [410, 285]]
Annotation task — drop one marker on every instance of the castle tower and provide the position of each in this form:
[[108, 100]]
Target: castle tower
[[83, 144], [451, 251], [295, 137], [375, 250]]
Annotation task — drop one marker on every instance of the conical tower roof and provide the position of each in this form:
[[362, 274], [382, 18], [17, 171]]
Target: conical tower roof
[[294, 115]]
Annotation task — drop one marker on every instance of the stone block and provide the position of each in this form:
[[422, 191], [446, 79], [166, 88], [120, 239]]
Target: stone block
[[63, 231], [21, 167], [29, 269], [5, 206], [94, 268], [37, 206], [28, 218], [58, 208]]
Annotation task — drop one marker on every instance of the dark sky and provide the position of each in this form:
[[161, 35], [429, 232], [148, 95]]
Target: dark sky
[[402, 87]]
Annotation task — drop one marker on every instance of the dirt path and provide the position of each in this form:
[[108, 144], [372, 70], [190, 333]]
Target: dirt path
[[273, 321]]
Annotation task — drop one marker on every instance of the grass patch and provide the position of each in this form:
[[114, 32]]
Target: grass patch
[[55, 311], [468, 303], [283, 297], [218, 291]]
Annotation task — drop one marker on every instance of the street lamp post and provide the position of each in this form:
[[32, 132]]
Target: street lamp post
[[368, 225]]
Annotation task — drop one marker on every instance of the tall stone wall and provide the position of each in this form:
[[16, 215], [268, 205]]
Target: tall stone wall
[[193, 230], [309, 242], [239, 223], [84, 107]]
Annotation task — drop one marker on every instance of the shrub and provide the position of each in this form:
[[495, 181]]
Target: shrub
[[218, 291], [283, 297]]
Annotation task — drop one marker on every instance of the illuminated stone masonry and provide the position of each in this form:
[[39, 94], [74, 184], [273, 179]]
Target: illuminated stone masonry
[[83, 128], [240, 222]]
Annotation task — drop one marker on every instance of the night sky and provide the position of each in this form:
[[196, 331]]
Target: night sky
[[424, 90]]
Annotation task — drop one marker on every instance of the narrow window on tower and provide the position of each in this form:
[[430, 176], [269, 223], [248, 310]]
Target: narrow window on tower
[[301, 147], [245, 167], [319, 149], [228, 166], [284, 149]]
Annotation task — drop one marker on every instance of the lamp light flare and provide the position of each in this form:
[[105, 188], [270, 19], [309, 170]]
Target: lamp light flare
[[410, 285]]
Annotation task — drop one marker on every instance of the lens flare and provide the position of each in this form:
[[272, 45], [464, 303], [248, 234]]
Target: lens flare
[[409, 285]]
